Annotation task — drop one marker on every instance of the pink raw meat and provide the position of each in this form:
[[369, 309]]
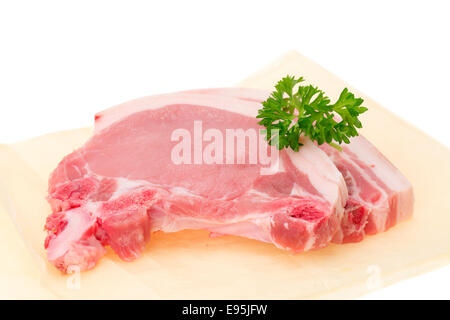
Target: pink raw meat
[[122, 185], [379, 196]]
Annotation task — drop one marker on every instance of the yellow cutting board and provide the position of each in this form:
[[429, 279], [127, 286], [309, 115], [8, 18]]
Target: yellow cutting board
[[191, 265]]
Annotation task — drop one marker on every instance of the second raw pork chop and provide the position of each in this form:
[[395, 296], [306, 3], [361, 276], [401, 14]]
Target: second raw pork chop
[[123, 184], [379, 196]]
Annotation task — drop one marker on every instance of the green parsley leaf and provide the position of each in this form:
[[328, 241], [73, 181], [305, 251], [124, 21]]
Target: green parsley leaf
[[293, 110]]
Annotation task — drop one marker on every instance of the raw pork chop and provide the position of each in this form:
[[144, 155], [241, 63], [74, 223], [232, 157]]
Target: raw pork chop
[[122, 185], [379, 196]]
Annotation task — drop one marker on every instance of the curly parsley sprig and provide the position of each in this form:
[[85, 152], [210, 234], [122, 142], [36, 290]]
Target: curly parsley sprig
[[293, 110]]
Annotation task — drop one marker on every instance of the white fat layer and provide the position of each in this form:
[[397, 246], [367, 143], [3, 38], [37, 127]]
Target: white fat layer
[[117, 113], [380, 166], [321, 171], [382, 202], [242, 93]]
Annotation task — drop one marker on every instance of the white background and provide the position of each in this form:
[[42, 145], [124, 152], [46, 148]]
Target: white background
[[61, 61]]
